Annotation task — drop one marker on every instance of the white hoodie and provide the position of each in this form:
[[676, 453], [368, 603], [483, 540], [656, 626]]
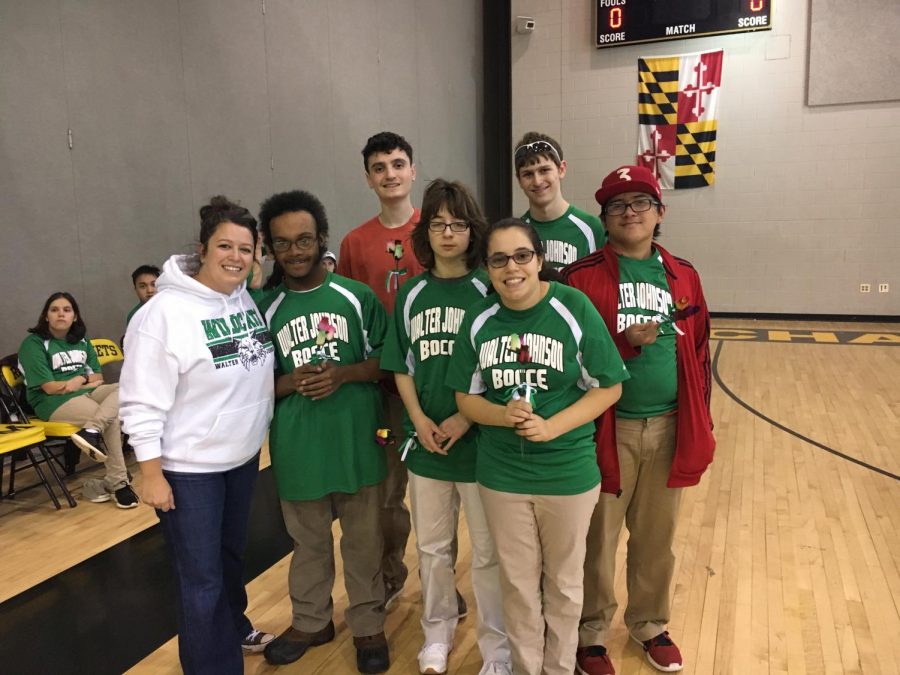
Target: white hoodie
[[197, 386]]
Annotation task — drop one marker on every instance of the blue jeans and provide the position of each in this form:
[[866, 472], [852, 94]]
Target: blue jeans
[[206, 534]]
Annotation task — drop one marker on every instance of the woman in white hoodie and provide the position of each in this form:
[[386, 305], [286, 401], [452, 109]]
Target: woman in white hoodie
[[196, 397]]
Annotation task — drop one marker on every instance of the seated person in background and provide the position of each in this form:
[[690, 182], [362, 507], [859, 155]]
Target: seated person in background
[[63, 384], [329, 260], [144, 280]]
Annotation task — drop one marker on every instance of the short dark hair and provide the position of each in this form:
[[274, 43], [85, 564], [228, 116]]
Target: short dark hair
[[529, 158], [458, 200], [290, 202], [222, 210], [77, 330], [144, 269], [385, 141], [548, 272]]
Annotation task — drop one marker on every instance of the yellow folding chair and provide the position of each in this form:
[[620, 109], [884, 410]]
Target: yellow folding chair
[[55, 432], [26, 439], [107, 351]]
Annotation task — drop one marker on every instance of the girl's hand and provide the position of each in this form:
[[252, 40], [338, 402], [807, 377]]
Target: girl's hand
[[453, 428], [429, 435], [517, 412], [74, 384], [157, 492], [536, 429]]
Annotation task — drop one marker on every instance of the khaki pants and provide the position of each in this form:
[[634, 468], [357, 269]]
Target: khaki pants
[[435, 507], [650, 511], [99, 409], [540, 542], [395, 520], [311, 577]]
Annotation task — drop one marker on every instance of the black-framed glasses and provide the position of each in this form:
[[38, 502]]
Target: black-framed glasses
[[303, 242], [439, 226], [638, 205], [501, 260], [535, 148]]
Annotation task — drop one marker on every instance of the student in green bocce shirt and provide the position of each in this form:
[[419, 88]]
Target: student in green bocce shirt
[[533, 366], [328, 332], [430, 307]]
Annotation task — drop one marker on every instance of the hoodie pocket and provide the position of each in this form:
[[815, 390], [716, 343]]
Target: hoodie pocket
[[237, 431]]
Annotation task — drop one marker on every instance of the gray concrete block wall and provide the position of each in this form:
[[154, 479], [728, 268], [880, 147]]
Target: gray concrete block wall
[[802, 211]]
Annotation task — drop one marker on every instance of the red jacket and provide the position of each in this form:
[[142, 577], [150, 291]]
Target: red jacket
[[597, 275]]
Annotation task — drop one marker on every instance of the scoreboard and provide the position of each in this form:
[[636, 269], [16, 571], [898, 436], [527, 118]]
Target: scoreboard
[[625, 22]]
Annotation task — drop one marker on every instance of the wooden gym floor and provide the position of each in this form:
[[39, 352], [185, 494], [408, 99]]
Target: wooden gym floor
[[788, 560]]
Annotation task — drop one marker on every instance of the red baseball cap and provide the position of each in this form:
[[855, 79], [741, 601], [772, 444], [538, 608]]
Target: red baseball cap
[[628, 178]]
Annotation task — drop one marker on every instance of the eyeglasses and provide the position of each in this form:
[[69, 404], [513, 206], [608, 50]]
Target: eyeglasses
[[439, 226], [304, 243], [535, 148], [501, 260], [639, 205]]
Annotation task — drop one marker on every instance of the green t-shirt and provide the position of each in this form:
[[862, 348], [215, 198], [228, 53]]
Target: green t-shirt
[[320, 447], [132, 312], [564, 349], [573, 235], [420, 341], [644, 294], [54, 360]]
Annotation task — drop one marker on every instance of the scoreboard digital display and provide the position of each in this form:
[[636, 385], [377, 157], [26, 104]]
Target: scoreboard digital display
[[626, 22]]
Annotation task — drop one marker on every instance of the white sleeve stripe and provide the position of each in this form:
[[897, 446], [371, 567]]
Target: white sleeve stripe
[[480, 320], [586, 231], [410, 362], [477, 283], [476, 384], [587, 381], [407, 306], [358, 307], [273, 308]]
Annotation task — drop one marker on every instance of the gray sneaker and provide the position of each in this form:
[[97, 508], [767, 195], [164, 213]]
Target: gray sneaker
[[94, 490]]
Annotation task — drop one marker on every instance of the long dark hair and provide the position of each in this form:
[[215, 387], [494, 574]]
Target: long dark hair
[[458, 200], [76, 331], [547, 272]]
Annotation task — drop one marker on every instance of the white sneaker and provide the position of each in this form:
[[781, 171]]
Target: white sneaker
[[433, 659], [496, 668]]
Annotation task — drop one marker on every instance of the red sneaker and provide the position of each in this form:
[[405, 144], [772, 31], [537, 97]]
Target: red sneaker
[[662, 653], [593, 660]]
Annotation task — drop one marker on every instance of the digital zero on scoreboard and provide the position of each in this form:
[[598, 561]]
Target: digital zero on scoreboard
[[625, 22]]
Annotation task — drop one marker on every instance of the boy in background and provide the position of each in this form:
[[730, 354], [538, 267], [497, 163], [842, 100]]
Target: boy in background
[[567, 232]]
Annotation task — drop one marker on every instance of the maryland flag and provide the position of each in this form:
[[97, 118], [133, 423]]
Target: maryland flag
[[677, 101]]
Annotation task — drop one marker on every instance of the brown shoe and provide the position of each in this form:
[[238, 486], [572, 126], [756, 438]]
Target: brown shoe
[[293, 643], [372, 653]]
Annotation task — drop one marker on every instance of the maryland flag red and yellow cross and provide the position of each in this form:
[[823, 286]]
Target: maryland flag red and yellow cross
[[677, 101]]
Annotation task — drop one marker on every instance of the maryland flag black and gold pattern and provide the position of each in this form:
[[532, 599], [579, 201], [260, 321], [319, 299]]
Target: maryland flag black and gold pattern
[[677, 102]]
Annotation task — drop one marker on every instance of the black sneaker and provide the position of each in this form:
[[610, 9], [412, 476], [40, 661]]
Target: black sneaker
[[126, 498], [372, 653], [89, 443], [293, 643], [256, 641]]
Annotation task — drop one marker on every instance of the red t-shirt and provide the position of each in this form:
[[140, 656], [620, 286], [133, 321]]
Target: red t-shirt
[[368, 255]]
